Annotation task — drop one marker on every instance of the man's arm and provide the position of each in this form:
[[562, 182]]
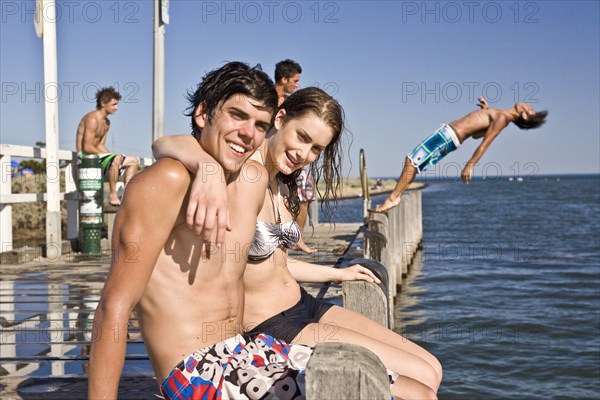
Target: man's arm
[[142, 226], [208, 196], [499, 123], [79, 136], [308, 272]]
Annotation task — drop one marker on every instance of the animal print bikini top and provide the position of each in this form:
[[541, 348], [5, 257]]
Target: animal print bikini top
[[270, 235]]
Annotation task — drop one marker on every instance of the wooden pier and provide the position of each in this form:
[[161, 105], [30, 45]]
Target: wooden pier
[[47, 307]]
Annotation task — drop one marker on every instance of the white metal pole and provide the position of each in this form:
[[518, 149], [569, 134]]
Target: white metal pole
[[53, 220], [159, 74]]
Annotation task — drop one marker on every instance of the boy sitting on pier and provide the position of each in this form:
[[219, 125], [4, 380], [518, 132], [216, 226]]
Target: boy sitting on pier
[[92, 132], [486, 123]]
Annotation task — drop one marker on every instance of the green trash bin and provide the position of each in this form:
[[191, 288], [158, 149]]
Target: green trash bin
[[91, 200]]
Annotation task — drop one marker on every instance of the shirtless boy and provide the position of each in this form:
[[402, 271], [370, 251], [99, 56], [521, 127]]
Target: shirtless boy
[[486, 123], [91, 139], [188, 293], [287, 78]]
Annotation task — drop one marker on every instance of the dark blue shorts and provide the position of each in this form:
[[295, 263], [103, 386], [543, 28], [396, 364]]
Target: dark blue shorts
[[287, 324]]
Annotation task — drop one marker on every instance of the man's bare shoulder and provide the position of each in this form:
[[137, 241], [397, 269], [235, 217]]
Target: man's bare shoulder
[[90, 118], [253, 176], [497, 117], [250, 186], [168, 175], [493, 112]]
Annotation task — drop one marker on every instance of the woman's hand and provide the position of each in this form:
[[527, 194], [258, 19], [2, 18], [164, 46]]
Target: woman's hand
[[357, 272]]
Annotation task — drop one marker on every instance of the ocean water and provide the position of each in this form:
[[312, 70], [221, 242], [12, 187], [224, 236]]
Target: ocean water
[[506, 291]]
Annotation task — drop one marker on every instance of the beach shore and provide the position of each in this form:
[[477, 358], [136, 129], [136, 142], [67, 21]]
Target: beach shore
[[351, 187]]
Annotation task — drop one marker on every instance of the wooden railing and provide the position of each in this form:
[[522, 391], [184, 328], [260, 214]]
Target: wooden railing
[[66, 172]]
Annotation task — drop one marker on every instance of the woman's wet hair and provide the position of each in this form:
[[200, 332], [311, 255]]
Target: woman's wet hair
[[328, 166], [234, 78]]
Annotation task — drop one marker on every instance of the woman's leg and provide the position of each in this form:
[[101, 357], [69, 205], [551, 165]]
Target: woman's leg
[[422, 377], [408, 389], [359, 323]]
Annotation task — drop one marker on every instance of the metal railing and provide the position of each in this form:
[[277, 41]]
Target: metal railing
[[364, 182]]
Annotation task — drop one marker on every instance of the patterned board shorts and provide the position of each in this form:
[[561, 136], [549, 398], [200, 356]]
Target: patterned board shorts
[[434, 148], [238, 368]]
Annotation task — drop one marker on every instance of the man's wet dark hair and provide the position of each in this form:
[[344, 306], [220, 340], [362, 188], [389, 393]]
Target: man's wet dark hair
[[532, 122], [105, 95], [286, 69], [234, 78]]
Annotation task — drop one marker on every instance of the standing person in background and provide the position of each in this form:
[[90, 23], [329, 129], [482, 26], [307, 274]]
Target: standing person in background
[[91, 139], [305, 196], [287, 80]]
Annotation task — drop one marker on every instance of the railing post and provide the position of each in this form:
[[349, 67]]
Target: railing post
[[367, 298], [314, 212], [72, 199], [364, 182], [345, 371], [6, 208]]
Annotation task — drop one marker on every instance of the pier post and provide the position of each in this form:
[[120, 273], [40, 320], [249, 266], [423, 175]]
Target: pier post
[[6, 228], [369, 299], [345, 371]]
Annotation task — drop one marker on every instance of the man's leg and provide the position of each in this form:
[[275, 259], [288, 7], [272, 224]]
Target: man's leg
[[131, 165], [113, 177], [408, 176]]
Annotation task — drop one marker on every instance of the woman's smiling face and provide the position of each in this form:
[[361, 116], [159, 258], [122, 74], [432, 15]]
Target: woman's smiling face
[[298, 141]]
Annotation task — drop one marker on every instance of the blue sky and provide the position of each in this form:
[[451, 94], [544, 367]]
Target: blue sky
[[399, 68]]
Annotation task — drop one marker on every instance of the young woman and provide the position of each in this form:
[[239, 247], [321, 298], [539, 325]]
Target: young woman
[[307, 128]]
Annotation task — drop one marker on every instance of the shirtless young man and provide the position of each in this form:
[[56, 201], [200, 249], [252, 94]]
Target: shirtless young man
[[91, 139], [287, 78], [486, 123], [188, 293]]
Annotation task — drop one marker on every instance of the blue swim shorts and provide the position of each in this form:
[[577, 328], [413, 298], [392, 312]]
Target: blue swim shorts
[[434, 148]]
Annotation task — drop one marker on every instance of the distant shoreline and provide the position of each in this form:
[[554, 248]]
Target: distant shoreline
[[425, 178], [351, 188]]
